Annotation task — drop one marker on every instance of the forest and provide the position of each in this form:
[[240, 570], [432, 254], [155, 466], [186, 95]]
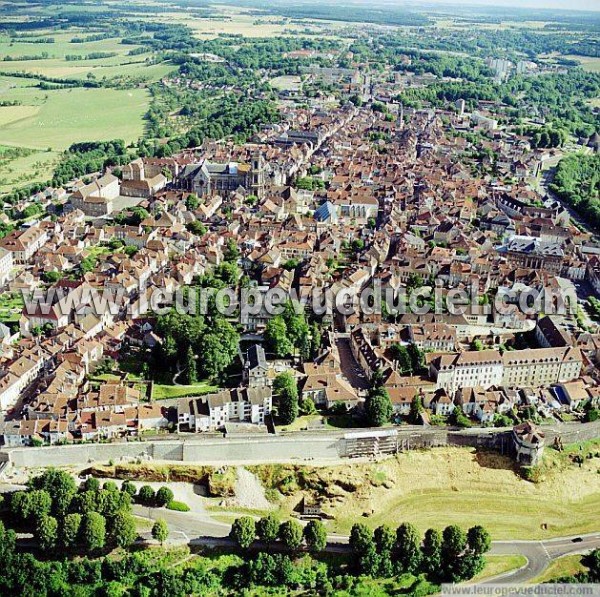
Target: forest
[[577, 182]]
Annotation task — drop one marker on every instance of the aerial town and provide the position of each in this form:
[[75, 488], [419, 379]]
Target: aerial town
[[318, 286], [336, 199]]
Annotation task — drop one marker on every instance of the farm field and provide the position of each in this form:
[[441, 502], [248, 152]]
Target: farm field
[[237, 21], [57, 118], [588, 63], [48, 121], [15, 171]]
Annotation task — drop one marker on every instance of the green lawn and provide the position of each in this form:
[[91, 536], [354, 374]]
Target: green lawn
[[565, 566], [11, 306], [496, 565], [163, 392]]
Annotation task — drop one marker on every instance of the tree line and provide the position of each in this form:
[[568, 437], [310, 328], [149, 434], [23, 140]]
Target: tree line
[[451, 555], [88, 518]]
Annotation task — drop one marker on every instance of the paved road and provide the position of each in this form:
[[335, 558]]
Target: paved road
[[198, 529], [539, 554]]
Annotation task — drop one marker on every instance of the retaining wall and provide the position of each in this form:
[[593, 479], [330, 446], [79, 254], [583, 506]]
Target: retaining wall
[[252, 449]]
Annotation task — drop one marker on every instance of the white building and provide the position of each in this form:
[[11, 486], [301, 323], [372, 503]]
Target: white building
[[213, 411], [516, 368], [6, 265]]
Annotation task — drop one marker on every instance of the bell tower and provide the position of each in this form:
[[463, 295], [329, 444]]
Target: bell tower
[[258, 174]]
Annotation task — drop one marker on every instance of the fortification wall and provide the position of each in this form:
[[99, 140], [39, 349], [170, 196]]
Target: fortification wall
[[252, 449]]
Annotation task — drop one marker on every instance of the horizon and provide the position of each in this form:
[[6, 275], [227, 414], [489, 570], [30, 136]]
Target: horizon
[[573, 6]]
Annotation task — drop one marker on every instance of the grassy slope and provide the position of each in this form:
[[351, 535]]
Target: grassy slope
[[496, 565], [565, 566], [444, 486]]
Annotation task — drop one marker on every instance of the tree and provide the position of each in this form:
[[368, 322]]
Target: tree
[[417, 358], [232, 252], [286, 390], [110, 486], [361, 538], [416, 410], [60, 485], [592, 561], [315, 535], [290, 533], [123, 532], [368, 563], [307, 407], [46, 532], [298, 330], [38, 503], [378, 407], [268, 528], [160, 531], [191, 371], [432, 551], [196, 227], [454, 543], [479, 540], [163, 496], [146, 495], [408, 545], [276, 336], [218, 348], [243, 531], [477, 344], [192, 202], [402, 356], [69, 530], [228, 272], [26, 505], [385, 539], [93, 531]]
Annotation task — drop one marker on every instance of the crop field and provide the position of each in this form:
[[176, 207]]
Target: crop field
[[236, 21], [56, 118], [48, 121], [588, 63], [25, 166]]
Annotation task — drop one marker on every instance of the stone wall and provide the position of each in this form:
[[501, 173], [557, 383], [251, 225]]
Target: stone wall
[[252, 449]]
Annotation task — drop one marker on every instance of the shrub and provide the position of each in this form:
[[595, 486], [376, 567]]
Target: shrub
[[177, 506], [146, 495], [163, 496]]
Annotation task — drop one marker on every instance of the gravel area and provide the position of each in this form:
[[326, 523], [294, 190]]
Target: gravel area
[[249, 493]]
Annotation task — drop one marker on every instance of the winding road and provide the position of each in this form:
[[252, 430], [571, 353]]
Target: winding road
[[201, 529]]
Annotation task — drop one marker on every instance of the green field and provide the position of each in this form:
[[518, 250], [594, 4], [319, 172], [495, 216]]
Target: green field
[[55, 119], [48, 121], [30, 165], [588, 63], [444, 486]]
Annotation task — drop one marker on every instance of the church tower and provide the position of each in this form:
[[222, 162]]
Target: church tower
[[258, 174]]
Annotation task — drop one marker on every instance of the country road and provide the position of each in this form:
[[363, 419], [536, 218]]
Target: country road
[[201, 529]]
